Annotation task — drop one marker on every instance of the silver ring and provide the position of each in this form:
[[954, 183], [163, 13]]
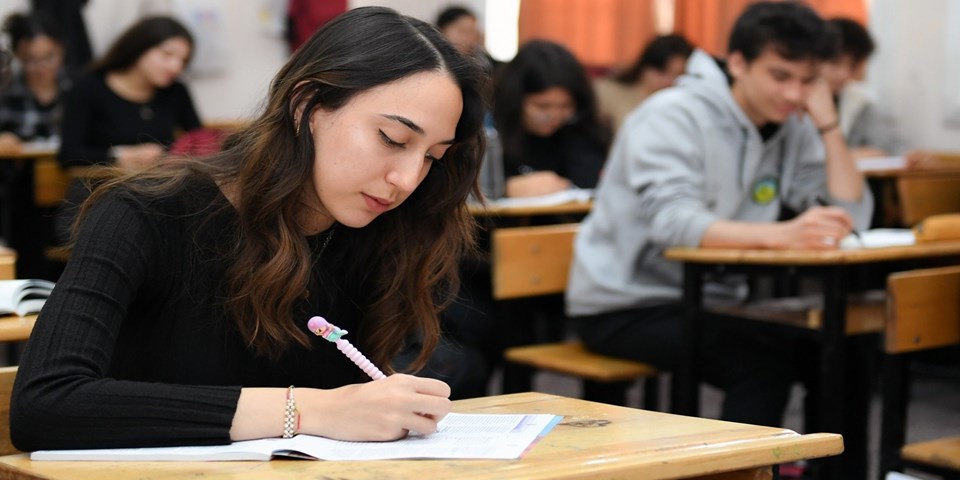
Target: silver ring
[[828, 240]]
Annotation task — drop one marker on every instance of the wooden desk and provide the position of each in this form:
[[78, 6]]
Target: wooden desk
[[8, 264], [883, 184], [594, 440], [492, 210], [14, 328], [831, 267]]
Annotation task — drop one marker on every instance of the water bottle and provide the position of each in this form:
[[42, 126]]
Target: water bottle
[[492, 182]]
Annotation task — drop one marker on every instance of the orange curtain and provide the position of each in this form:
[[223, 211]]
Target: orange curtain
[[601, 33], [707, 23], [853, 9]]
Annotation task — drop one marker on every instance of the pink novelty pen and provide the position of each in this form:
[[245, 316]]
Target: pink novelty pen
[[331, 333]]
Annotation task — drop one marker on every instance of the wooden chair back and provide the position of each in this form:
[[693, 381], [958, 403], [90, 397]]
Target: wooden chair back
[[923, 312], [923, 309], [531, 261], [924, 195], [7, 374]]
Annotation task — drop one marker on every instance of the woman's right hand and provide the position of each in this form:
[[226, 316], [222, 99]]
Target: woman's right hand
[[380, 410], [138, 157]]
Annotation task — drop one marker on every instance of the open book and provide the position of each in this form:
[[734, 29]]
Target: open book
[[879, 238], [874, 164], [572, 195], [23, 297], [458, 435]]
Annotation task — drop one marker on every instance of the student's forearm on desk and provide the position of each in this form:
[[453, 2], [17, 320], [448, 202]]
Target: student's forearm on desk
[[844, 180], [374, 411], [817, 228]]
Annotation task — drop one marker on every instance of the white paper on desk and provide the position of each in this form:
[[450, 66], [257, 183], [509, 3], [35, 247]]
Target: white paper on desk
[[458, 435], [45, 145], [870, 164], [879, 238], [572, 195]]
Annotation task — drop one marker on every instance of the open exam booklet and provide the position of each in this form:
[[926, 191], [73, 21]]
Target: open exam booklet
[[458, 435]]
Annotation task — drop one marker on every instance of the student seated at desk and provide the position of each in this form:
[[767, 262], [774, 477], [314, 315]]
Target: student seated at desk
[[659, 65], [182, 315], [709, 164], [126, 111], [31, 106], [865, 131], [545, 114]]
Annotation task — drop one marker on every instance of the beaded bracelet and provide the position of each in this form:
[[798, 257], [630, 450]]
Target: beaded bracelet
[[291, 418]]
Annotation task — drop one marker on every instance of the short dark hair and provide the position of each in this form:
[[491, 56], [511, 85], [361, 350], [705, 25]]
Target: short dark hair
[[792, 29], [22, 27], [854, 39], [136, 40], [452, 14], [657, 54]]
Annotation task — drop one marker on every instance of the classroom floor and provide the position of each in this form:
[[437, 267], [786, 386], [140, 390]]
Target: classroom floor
[[934, 407]]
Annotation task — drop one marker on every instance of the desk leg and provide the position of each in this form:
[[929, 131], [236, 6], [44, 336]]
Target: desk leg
[[832, 368], [685, 398]]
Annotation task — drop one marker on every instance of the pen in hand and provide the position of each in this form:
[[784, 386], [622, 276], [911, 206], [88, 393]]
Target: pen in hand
[[823, 203], [331, 333]]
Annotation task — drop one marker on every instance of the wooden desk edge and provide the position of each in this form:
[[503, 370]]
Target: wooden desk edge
[[782, 447], [14, 328], [810, 257]]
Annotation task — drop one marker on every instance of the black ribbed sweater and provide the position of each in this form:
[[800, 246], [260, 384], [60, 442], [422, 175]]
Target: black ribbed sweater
[[133, 348]]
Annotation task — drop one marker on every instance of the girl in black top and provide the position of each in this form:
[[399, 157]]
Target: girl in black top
[[181, 317], [546, 115], [127, 109]]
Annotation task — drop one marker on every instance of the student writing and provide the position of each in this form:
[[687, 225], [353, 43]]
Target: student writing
[[181, 317]]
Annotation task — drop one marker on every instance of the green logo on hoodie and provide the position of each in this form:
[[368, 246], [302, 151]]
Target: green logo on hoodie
[[765, 191]]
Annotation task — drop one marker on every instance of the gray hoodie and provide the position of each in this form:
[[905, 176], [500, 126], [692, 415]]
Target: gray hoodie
[[684, 159]]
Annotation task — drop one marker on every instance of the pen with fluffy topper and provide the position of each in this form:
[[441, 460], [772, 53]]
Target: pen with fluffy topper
[[331, 333]]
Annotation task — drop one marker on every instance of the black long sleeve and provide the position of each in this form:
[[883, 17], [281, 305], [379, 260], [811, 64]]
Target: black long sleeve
[[95, 119], [134, 349], [568, 153]]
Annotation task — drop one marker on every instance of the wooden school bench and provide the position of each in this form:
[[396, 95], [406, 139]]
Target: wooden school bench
[[534, 261]]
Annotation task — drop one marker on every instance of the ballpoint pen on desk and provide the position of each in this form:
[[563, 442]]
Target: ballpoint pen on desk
[[330, 332]]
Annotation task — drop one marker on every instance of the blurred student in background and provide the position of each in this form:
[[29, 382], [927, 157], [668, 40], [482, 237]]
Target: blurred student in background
[[127, 110], [459, 25], [129, 107], [866, 133], [31, 106], [657, 67], [545, 112]]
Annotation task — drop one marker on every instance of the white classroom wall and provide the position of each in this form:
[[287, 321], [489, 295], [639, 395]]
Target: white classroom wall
[[914, 75]]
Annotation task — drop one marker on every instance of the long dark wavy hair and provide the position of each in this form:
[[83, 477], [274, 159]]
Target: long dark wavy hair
[[147, 33], [538, 66], [406, 259]]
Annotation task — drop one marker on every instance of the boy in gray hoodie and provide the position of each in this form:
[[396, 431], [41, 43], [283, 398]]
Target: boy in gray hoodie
[[710, 163]]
